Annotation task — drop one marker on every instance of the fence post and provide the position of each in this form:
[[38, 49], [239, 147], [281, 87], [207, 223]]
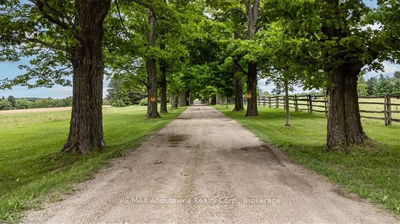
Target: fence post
[[326, 105], [277, 101], [385, 110], [270, 101], [388, 110], [310, 108], [296, 106], [264, 101]]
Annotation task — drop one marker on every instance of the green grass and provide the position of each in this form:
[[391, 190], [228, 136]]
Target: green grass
[[32, 169], [371, 171]]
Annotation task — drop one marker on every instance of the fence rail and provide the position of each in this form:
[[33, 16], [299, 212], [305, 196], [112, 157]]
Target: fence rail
[[370, 106]]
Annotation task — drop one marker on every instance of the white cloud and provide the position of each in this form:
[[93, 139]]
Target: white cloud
[[375, 26], [389, 70]]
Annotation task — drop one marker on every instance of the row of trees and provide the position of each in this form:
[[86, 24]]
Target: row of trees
[[187, 49], [11, 103], [381, 86], [121, 93]]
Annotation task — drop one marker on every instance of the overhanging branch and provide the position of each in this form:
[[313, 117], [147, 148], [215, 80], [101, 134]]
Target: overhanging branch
[[236, 61]]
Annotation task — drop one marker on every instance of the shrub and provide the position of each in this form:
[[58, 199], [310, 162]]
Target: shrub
[[118, 103], [5, 105], [143, 102]]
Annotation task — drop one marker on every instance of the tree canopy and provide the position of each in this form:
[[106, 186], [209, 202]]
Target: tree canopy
[[181, 50]]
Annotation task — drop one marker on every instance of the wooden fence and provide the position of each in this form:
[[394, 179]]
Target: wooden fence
[[385, 108]]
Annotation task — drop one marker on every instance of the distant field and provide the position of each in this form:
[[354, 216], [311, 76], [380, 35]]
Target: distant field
[[34, 110], [31, 166], [372, 171], [20, 111]]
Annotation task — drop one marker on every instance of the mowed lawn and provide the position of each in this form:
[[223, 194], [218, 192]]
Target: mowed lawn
[[371, 171], [33, 170]]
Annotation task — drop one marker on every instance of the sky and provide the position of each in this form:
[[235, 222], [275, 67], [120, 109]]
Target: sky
[[10, 70]]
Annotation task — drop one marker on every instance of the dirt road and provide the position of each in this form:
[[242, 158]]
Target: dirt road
[[206, 168]]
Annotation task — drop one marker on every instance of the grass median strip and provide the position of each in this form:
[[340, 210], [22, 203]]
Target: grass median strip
[[31, 167], [371, 171]]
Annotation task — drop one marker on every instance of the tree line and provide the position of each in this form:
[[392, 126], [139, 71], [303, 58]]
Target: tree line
[[12, 103], [180, 50], [384, 85]]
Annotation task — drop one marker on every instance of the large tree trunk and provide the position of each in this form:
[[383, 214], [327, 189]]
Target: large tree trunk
[[163, 87], [344, 122], [174, 101], [252, 11], [287, 106], [187, 96], [252, 110], [238, 93], [219, 99], [213, 100], [190, 97], [183, 100], [163, 80], [151, 68], [86, 126]]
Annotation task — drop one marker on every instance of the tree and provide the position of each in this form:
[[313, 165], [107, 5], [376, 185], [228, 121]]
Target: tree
[[61, 35], [232, 15], [5, 104], [155, 47], [123, 91], [283, 84], [344, 124], [397, 83], [362, 86], [151, 68], [252, 12], [12, 101], [335, 40], [388, 16], [384, 86], [371, 86], [163, 79], [280, 64], [238, 90], [23, 104], [86, 130]]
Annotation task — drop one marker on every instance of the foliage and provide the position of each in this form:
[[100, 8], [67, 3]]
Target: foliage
[[27, 103], [144, 102], [41, 32], [5, 104], [384, 85], [122, 93]]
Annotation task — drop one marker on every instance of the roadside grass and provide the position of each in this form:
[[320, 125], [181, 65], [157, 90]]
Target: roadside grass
[[371, 171], [31, 168]]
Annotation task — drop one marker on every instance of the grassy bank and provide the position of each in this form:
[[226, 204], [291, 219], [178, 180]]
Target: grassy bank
[[371, 171], [33, 170]]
